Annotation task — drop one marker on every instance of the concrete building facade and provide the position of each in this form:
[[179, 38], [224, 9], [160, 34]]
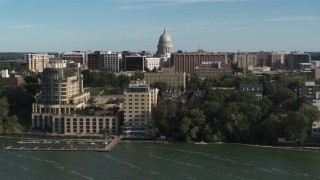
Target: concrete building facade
[[75, 56], [139, 99], [57, 109], [37, 62], [294, 59], [278, 60], [167, 75], [110, 60], [245, 60], [187, 62], [206, 69], [152, 63]]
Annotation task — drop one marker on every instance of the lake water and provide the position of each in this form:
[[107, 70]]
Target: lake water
[[143, 160]]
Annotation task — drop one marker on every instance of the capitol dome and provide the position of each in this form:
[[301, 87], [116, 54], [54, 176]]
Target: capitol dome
[[165, 47]]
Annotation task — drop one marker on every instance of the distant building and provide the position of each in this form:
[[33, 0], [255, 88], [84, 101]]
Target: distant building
[[75, 56], [37, 62], [165, 47], [314, 101], [264, 59], [294, 59], [138, 104], [278, 60], [167, 75], [207, 69], [152, 63], [187, 62], [307, 88], [316, 73], [258, 70], [110, 60], [305, 67], [245, 60], [13, 82], [134, 63], [93, 60], [257, 89]]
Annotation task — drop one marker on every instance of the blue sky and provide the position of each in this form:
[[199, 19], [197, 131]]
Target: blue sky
[[116, 25]]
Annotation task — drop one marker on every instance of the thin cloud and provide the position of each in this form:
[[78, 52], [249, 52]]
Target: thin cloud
[[145, 4], [297, 18]]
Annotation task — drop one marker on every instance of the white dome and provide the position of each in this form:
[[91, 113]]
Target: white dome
[[165, 46], [164, 38]]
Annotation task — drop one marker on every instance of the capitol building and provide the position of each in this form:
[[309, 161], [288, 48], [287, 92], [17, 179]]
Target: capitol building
[[165, 47]]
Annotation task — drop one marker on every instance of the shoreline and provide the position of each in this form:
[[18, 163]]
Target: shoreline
[[149, 140]]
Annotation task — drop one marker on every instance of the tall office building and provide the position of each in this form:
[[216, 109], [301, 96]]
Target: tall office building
[[187, 62], [110, 60], [278, 60], [93, 60], [138, 104], [165, 47], [245, 60], [134, 63], [293, 60], [37, 62], [264, 59], [75, 56]]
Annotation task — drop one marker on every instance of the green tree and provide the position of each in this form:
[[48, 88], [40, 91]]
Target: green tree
[[123, 81], [4, 109], [138, 75], [272, 127], [312, 113], [160, 85], [297, 126], [281, 94]]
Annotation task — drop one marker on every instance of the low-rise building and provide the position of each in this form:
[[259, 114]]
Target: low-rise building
[[13, 82], [257, 89], [152, 63], [207, 69], [167, 75], [307, 88]]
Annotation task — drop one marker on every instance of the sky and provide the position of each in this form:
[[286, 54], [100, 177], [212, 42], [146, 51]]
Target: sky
[[135, 25]]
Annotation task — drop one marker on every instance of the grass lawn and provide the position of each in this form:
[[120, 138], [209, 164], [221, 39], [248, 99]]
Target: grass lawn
[[104, 91]]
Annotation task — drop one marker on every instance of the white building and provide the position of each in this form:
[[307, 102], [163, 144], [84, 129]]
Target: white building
[[37, 62], [152, 63]]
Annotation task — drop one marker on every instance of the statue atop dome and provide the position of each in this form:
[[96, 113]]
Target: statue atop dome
[[165, 47]]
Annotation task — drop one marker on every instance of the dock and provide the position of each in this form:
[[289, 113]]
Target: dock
[[111, 145], [107, 148]]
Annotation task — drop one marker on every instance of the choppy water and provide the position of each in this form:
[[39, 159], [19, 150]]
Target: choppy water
[[137, 160]]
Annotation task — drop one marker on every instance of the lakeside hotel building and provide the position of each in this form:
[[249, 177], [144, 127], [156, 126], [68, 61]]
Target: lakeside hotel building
[[58, 107], [138, 104]]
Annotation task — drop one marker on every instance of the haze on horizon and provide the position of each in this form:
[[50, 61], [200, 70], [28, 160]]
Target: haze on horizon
[[116, 25]]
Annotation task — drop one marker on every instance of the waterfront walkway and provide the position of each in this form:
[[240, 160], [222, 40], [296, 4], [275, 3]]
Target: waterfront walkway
[[110, 145]]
